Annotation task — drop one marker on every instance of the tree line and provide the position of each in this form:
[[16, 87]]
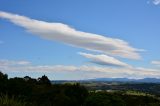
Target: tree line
[[28, 91]]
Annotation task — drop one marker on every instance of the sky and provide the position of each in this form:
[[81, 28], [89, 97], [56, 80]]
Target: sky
[[80, 39]]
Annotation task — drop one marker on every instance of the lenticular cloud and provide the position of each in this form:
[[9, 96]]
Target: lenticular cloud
[[65, 34]]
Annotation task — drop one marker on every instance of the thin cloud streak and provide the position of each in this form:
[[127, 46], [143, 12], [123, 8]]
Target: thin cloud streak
[[65, 34], [156, 62], [13, 63], [104, 60], [88, 71]]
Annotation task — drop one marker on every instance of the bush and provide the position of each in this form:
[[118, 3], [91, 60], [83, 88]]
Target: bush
[[6, 101]]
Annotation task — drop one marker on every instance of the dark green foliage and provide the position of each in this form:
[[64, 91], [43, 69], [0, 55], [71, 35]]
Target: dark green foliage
[[103, 99], [44, 80], [3, 81], [119, 99], [6, 101], [152, 88], [3, 77], [40, 92]]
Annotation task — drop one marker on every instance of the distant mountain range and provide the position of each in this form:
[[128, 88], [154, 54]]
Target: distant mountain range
[[125, 80], [145, 80]]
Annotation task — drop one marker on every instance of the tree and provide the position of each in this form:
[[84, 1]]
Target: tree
[[3, 76], [44, 80]]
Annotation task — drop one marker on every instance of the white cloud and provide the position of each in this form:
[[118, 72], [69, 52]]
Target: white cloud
[[104, 60], [65, 34], [156, 2], [13, 63], [26, 66], [156, 63], [86, 71]]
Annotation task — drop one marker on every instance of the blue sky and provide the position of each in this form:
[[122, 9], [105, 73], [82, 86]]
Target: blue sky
[[84, 44]]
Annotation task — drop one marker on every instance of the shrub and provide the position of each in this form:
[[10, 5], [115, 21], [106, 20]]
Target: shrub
[[5, 100]]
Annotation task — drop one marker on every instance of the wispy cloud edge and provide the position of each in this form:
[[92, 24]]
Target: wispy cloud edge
[[156, 2], [89, 71], [103, 59], [65, 34]]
